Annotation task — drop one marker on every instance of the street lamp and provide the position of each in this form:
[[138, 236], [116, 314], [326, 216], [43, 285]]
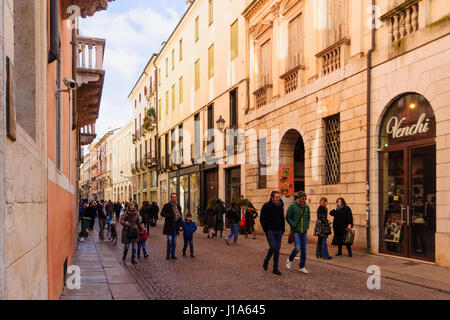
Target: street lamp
[[220, 124]]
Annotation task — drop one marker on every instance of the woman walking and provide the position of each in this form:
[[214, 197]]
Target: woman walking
[[130, 232], [322, 230], [210, 220], [343, 221], [250, 216]]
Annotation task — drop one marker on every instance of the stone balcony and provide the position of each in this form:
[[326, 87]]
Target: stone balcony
[[291, 79], [90, 79], [402, 20], [87, 135], [333, 57]]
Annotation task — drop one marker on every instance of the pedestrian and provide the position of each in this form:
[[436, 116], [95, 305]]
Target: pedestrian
[[172, 224], [250, 216], [117, 210], [102, 216], [343, 221], [155, 210], [322, 230], [234, 217], [210, 220], [272, 222], [130, 232], [143, 236], [110, 209], [146, 213], [92, 213], [219, 210], [189, 227]]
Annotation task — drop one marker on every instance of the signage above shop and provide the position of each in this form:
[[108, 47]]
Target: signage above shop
[[394, 127]]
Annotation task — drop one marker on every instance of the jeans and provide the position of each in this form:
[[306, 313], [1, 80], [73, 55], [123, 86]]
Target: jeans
[[274, 239], [189, 240], [172, 243], [141, 244], [133, 249], [300, 245], [234, 231], [322, 248], [101, 227]]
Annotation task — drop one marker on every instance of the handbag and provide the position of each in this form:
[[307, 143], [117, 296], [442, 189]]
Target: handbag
[[132, 233], [349, 237], [243, 222]]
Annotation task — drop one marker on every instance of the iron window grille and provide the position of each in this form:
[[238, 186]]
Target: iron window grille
[[332, 145]]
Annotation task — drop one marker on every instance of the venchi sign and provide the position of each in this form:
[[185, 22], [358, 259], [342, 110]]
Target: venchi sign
[[394, 127]]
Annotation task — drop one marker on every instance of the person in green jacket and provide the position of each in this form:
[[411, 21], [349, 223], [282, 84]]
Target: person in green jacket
[[298, 217]]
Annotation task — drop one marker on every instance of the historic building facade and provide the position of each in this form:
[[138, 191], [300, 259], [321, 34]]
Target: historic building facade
[[122, 156], [310, 62], [202, 87], [144, 99]]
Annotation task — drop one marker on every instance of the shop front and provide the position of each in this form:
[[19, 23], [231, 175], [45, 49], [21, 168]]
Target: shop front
[[407, 161]]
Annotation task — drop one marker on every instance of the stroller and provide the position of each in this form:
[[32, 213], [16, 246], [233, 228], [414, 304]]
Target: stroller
[[112, 231]]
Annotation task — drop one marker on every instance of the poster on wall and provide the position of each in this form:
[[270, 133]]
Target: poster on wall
[[392, 227], [286, 180]]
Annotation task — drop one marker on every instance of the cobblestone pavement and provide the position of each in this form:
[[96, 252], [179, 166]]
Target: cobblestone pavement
[[222, 272]]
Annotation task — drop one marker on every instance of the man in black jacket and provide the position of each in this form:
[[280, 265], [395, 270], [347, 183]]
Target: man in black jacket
[[272, 222], [102, 215], [172, 224]]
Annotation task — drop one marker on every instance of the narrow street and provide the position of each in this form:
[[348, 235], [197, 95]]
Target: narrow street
[[222, 272]]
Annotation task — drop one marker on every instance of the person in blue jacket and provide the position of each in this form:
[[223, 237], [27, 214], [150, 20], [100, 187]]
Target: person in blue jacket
[[189, 227]]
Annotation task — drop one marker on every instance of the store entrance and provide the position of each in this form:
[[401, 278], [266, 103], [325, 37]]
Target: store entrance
[[409, 202], [408, 179]]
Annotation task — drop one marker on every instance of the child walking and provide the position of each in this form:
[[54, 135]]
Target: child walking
[[143, 236], [189, 227]]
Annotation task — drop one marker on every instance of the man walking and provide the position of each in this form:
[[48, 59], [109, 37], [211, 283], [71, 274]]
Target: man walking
[[172, 224], [298, 217], [272, 222], [219, 210], [117, 210], [101, 210]]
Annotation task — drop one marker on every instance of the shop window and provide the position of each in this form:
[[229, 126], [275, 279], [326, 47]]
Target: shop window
[[262, 163], [332, 153]]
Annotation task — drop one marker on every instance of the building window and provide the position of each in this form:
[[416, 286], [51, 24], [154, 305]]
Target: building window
[[180, 87], [211, 62], [332, 146], [173, 59], [211, 11], [173, 97], [167, 67], [197, 74], [181, 49], [197, 29], [197, 144], [295, 42], [211, 126], [233, 109], [180, 143], [336, 21], [167, 102], [234, 40], [265, 62], [262, 163], [159, 109]]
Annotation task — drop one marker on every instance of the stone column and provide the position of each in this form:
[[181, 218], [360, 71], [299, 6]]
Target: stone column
[[2, 155]]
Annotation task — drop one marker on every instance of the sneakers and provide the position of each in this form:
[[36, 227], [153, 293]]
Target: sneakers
[[277, 272], [228, 241], [288, 263], [303, 270], [192, 255], [146, 256]]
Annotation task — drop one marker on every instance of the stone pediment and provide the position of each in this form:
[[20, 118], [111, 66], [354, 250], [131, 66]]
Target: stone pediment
[[87, 7]]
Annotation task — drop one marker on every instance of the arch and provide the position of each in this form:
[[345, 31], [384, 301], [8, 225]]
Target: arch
[[292, 153]]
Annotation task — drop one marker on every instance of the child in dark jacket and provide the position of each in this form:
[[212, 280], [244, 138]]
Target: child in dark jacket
[[189, 227], [143, 236]]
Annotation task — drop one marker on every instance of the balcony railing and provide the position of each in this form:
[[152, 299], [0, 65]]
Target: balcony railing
[[291, 79], [262, 95], [402, 20], [92, 50], [332, 58], [87, 134]]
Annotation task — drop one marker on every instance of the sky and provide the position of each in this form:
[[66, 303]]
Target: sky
[[134, 30]]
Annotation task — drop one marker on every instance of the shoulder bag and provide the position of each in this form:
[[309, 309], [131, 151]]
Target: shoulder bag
[[349, 237]]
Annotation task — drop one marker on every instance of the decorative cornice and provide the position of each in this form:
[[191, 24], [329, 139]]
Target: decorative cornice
[[87, 7], [252, 8], [405, 5], [275, 9]]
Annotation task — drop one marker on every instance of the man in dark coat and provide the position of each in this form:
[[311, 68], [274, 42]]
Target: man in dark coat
[[117, 209], [172, 224], [219, 211], [146, 214], [102, 216], [91, 212], [273, 224], [155, 210]]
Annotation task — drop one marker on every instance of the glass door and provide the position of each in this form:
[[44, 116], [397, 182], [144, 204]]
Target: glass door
[[392, 232], [422, 205]]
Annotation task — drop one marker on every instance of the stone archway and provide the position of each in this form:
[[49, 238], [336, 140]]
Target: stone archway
[[292, 153]]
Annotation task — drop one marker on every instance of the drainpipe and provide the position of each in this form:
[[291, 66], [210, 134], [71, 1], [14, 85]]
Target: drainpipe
[[369, 88]]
